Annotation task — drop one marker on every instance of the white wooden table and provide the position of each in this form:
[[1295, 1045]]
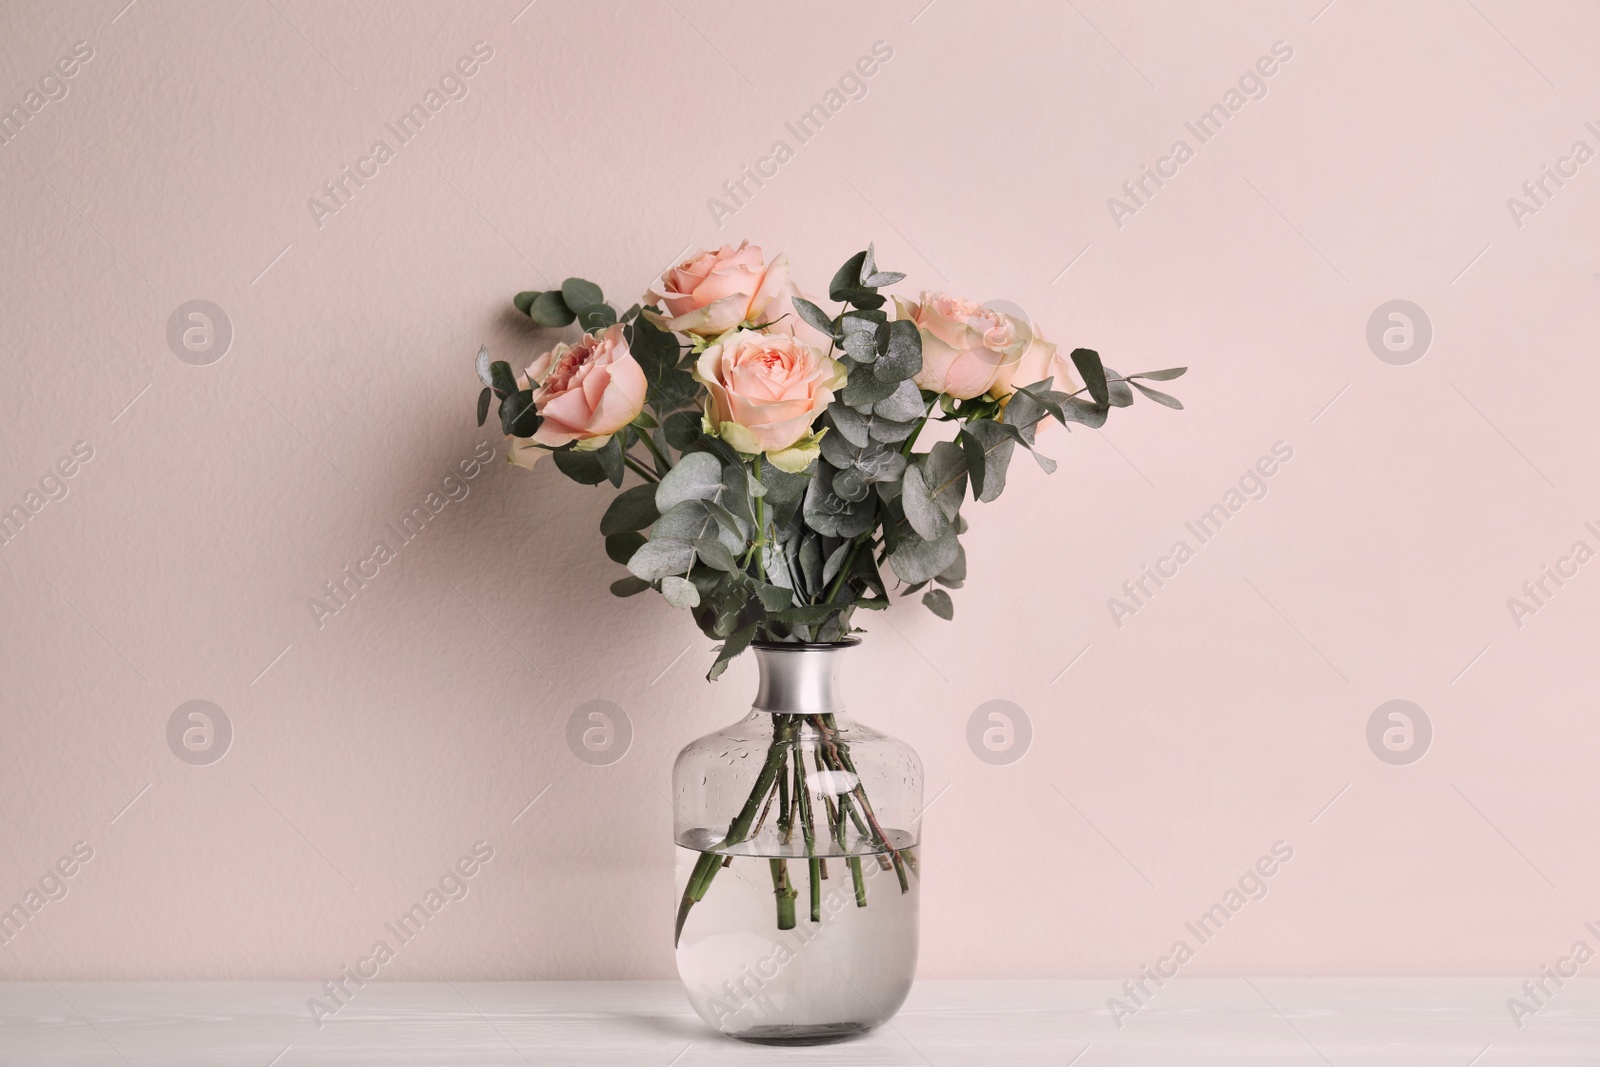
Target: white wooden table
[[1372, 1023]]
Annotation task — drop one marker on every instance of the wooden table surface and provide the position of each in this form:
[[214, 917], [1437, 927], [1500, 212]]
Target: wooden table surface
[[1372, 1023]]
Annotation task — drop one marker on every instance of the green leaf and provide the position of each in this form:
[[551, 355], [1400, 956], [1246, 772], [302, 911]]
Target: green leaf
[[610, 457], [692, 521], [848, 278], [698, 476], [680, 592], [501, 379], [835, 561], [988, 449], [863, 389], [582, 467], [548, 309], [1159, 397], [916, 559], [596, 317], [517, 415], [482, 366], [1087, 360], [1119, 395], [524, 301], [903, 405], [815, 316], [632, 509], [903, 357], [483, 404], [736, 643], [657, 559], [578, 293], [629, 586], [945, 470], [682, 429], [657, 352], [774, 597], [939, 602], [830, 514], [1161, 375], [621, 546], [861, 335], [925, 517]]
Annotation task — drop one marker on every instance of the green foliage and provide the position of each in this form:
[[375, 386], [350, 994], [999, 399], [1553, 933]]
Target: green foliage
[[753, 552]]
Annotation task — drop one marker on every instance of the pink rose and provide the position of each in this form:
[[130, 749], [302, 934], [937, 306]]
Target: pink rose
[[764, 390], [964, 344], [710, 293], [586, 391], [1039, 362]]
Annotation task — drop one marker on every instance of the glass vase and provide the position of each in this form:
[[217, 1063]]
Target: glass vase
[[797, 871]]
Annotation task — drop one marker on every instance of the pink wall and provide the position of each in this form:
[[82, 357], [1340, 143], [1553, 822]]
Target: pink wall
[[370, 752]]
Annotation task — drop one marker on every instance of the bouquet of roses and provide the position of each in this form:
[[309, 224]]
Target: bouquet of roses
[[775, 442]]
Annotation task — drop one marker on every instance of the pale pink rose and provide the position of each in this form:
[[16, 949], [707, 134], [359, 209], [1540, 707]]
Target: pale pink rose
[[1039, 362], [764, 391], [710, 293], [964, 344], [586, 391]]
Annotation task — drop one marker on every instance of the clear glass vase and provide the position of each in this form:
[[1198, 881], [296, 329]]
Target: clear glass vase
[[797, 864]]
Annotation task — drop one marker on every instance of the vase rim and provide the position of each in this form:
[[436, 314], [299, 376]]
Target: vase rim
[[805, 646]]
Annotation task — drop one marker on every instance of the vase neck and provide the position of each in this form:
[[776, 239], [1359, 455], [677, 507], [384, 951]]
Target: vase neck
[[799, 679]]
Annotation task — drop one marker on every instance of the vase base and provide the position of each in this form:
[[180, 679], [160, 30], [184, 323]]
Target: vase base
[[825, 1034]]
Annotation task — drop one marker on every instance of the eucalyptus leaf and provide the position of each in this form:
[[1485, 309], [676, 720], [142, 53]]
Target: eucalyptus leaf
[[902, 359], [830, 569], [629, 586], [501, 378], [848, 423], [988, 450], [482, 366], [863, 389], [621, 546], [713, 553], [523, 301], [850, 485], [680, 592], [548, 309], [483, 404], [814, 316], [925, 516], [596, 317], [698, 476], [1117, 392], [811, 564], [945, 471], [916, 559], [582, 467], [610, 457], [848, 277], [658, 558], [939, 602], [830, 514], [1159, 397], [631, 509], [1087, 360], [1161, 375], [577, 293], [903, 405], [682, 429], [861, 336]]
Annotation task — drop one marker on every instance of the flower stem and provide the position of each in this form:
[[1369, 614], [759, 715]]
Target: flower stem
[[639, 468], [662, 463], [705, 869]]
